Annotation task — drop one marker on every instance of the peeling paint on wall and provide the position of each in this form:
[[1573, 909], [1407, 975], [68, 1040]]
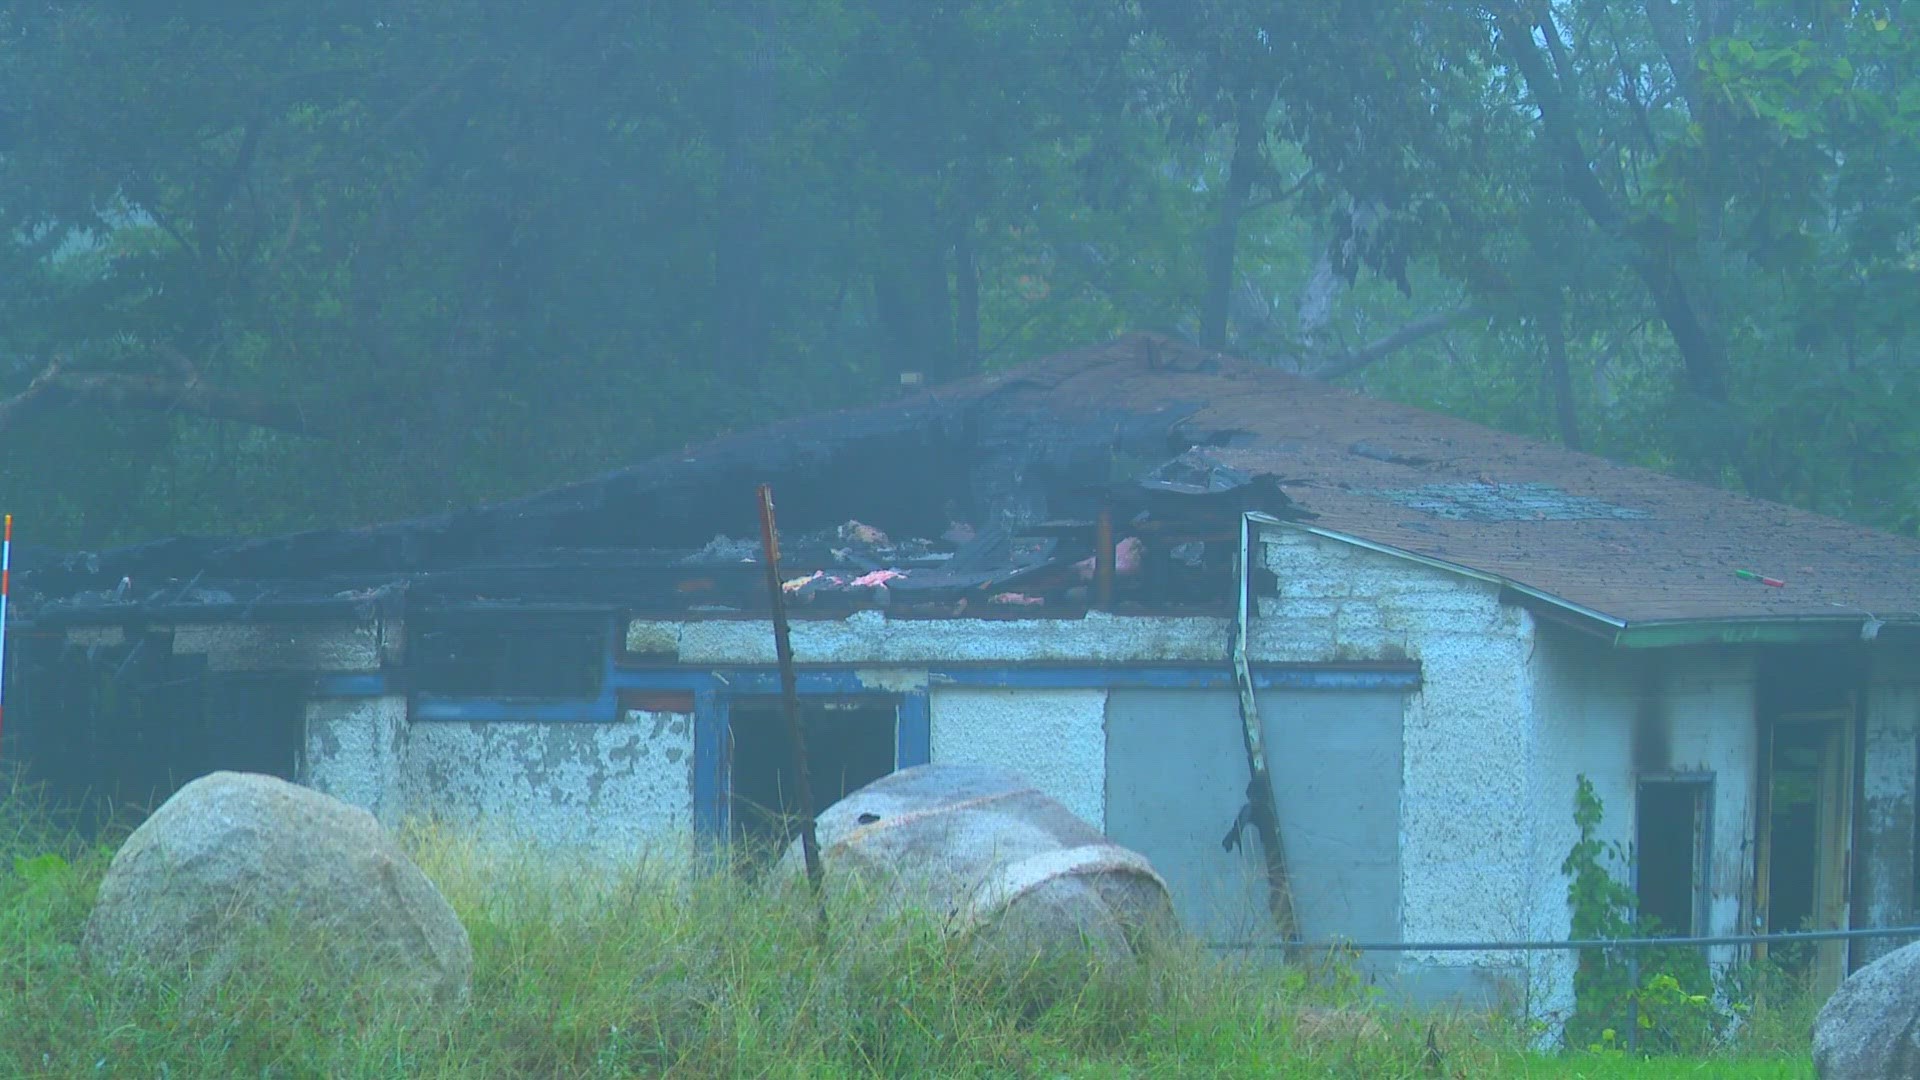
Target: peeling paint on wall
[[614, 790], [619, 789], [1057, 739], [895, 680], [1886, 880], [353, 752]]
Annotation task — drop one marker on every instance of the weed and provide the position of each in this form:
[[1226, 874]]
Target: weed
[[662, 971]]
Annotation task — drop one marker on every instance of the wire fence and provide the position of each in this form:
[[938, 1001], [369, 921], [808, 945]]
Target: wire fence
[[1632, 947], [1787, 937]]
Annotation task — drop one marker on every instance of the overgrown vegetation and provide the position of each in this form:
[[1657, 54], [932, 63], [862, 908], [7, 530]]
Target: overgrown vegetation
[[652, 974], [1663, 1000]]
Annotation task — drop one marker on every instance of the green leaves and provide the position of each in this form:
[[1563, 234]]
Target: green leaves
[[504, 249]]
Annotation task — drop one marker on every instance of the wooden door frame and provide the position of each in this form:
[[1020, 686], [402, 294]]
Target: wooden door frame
[[1844, 720]]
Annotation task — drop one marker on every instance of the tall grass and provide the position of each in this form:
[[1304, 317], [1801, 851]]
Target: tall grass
[[657, 972]]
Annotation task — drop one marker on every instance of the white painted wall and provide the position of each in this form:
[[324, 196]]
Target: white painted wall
[[1886, 886], [353, 752], [1464, 830], [347, 645], [616, 790], [1615, 716], [1510, 714], [1057, 739], [620, 789]]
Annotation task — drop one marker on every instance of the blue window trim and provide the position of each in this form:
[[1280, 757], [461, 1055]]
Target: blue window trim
[[847, 680], [714, 689], [712, 730]]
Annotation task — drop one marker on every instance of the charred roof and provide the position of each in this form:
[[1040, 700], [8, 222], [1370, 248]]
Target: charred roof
[[990, 488]]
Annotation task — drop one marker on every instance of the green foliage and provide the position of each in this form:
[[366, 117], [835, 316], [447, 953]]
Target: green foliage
[[468, 249], [1659, 1000], [650, 971]]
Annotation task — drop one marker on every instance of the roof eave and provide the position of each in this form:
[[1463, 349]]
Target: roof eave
[[1663, 634], [1804, 631]]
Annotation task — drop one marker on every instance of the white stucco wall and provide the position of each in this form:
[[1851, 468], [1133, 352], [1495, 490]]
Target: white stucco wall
[[1510, 713], [1616, 716], [1057, 739], [1892, 737], [1465, 841], [622, 789], [616, 790], [353, 752], [348, 645]]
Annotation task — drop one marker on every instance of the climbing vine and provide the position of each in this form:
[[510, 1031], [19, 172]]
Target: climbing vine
[[1660, 1001]]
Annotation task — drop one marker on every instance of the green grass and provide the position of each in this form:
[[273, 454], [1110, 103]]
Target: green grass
[[657, 975]]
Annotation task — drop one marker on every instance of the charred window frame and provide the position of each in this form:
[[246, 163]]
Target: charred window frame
[[514, 653], [1673, 849]]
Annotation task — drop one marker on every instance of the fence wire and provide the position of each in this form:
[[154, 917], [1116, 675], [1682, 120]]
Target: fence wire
[[1588, 943]]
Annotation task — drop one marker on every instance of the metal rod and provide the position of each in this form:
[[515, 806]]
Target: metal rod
[[789, 691], [1104, 557], [1589, 943]]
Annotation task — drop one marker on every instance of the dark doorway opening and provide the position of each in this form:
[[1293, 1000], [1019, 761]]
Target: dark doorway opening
[[115, 730], [1672, 853], [849, 744], [1807, 838]]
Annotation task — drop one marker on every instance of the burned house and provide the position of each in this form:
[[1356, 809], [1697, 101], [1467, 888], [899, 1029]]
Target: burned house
[[1049, 569]]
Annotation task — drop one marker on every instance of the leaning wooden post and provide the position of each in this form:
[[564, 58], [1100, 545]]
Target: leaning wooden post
[[790, 694], [1260, 801]]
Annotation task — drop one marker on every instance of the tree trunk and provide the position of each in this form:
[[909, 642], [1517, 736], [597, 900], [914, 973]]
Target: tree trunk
[[1249, 131], [1553, 332], [1700, 350], [966, 297], [1316, 301], [740, 316], [911, 290]]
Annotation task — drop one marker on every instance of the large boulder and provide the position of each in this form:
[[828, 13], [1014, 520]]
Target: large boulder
[[1870, 1028], [997, 861], [238, 861]]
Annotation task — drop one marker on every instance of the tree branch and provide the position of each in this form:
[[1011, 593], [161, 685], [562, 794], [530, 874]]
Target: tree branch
[[178, 389], [26, 401], [1699, 349], [1670, 33], [1348, 363], [1281, 196]]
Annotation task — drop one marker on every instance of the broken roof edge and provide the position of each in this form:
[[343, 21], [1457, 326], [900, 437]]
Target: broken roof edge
[[1660, 634]]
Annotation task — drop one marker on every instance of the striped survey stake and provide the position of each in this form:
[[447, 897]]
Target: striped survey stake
[[6, 569]]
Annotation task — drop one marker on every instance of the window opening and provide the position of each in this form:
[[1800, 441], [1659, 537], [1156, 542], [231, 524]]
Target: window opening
[[1672, 853], [119, 729], [849, 744], [508, 653]]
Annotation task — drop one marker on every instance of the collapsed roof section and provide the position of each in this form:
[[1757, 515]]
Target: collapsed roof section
[[985, 497], [960, 501]]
